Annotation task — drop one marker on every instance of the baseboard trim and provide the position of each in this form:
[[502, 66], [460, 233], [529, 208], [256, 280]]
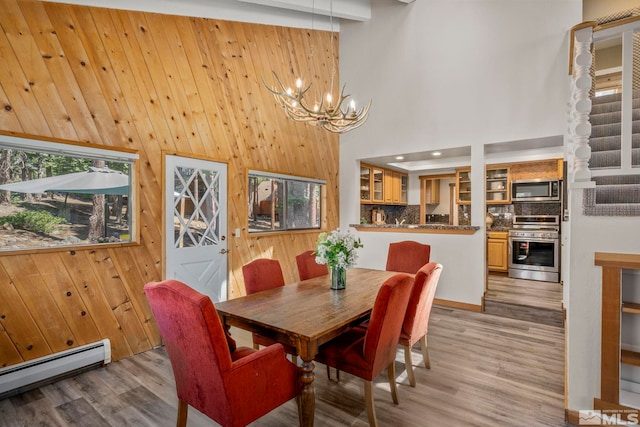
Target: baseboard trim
[[456, 304], [572, 417]]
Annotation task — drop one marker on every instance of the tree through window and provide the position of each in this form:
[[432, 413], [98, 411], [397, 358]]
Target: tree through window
[[60, 195]]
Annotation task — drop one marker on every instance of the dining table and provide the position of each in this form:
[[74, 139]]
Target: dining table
[[305, 315]]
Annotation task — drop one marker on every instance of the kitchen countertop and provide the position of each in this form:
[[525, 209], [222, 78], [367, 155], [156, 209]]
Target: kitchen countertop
[[498, 229], [418, 228]]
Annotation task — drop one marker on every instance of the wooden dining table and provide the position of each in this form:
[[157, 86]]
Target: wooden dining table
[[305, 315]]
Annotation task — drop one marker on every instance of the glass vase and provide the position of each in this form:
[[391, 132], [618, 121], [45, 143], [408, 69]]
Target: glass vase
[[338, 278]]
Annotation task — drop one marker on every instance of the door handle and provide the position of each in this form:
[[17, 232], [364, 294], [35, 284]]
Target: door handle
[[224, 251]]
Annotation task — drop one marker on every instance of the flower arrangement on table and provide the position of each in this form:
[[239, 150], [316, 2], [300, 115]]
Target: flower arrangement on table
[[338, 250]]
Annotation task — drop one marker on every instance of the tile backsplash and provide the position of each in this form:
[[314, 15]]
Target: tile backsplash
[[410, 214], [502, 214]]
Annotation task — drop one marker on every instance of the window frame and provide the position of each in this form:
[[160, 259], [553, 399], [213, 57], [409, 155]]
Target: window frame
[[75, 149], [286, 179]]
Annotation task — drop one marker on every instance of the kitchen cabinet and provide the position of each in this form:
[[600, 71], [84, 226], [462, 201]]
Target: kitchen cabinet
[[388, 186], [365, 183], [377, 185], [463, 186], [498, 186], [382, 186], [395, 187], [404, 188], [498, 251], [431, 190]]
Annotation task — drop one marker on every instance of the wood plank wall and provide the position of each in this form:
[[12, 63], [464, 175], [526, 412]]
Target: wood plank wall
[[155, 84]]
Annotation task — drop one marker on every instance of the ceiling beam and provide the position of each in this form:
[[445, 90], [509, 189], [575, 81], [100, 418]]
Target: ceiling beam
[[356, 10]]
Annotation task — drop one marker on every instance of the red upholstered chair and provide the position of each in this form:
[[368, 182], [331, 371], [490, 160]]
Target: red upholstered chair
[[233, 386], [259, 275], [366, 352], [262, 274], [407, 256], [416, 319], [308, 268]]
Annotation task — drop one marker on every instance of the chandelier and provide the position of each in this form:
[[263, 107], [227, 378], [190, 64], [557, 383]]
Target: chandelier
[[338, 116]]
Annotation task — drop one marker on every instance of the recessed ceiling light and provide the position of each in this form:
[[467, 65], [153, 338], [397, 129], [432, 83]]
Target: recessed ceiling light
[[436, 153], [399, 157]]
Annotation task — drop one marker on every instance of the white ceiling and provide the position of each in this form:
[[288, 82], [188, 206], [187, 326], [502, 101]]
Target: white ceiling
[[441, 161]]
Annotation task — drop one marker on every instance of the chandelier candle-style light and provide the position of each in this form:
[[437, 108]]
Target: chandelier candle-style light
[[337, 117]]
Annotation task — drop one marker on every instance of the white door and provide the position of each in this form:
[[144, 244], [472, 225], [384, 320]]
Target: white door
[[196, 224]]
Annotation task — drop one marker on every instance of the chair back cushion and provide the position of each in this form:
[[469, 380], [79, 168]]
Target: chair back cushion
[[407, 256], [416, 319], [262, 274], [383, 333], [195, 342], [308, 268]]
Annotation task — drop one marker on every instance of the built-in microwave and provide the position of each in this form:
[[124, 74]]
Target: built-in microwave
[[535, 190]]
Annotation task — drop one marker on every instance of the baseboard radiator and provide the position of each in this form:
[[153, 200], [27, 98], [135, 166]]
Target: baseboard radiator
[[16, 379]]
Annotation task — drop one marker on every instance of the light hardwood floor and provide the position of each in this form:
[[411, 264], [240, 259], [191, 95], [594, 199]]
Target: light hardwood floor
[[531, 300], [486, 370]]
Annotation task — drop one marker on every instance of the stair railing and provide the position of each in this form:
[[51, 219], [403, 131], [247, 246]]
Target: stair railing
[[581, 71]]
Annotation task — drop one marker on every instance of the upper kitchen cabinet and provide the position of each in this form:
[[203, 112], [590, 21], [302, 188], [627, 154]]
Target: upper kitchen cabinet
[[399, 188], [463, 186], [365, 184], [377, 185], [498, 186], [382, 186], [430, 190], [371, 184], [388, 186]]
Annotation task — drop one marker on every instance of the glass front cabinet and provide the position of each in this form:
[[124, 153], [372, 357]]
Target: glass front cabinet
[[365, 184], [382, 186]]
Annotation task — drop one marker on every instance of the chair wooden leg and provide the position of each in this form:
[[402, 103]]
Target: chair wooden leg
[[409, 365], [183, 409], [256, 346], [299, 404], [294, 359], [368, 400], [391, 373], [425, 352]]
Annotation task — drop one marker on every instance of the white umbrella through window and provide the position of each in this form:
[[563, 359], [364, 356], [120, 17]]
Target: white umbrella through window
[[93, 181]]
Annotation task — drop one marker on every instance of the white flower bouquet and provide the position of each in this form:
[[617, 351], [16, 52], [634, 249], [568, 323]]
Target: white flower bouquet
[[337, 249]]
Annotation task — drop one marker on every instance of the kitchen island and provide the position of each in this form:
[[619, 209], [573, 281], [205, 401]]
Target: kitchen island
[[417, 228]]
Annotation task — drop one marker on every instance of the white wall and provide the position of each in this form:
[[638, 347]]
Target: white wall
[[451, 73], [452, 251]]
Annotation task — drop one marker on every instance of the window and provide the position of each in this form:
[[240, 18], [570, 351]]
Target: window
[[60, 195], [283, 202]]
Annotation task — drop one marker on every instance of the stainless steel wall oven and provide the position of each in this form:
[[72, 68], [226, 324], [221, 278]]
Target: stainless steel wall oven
[[534, 248]]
